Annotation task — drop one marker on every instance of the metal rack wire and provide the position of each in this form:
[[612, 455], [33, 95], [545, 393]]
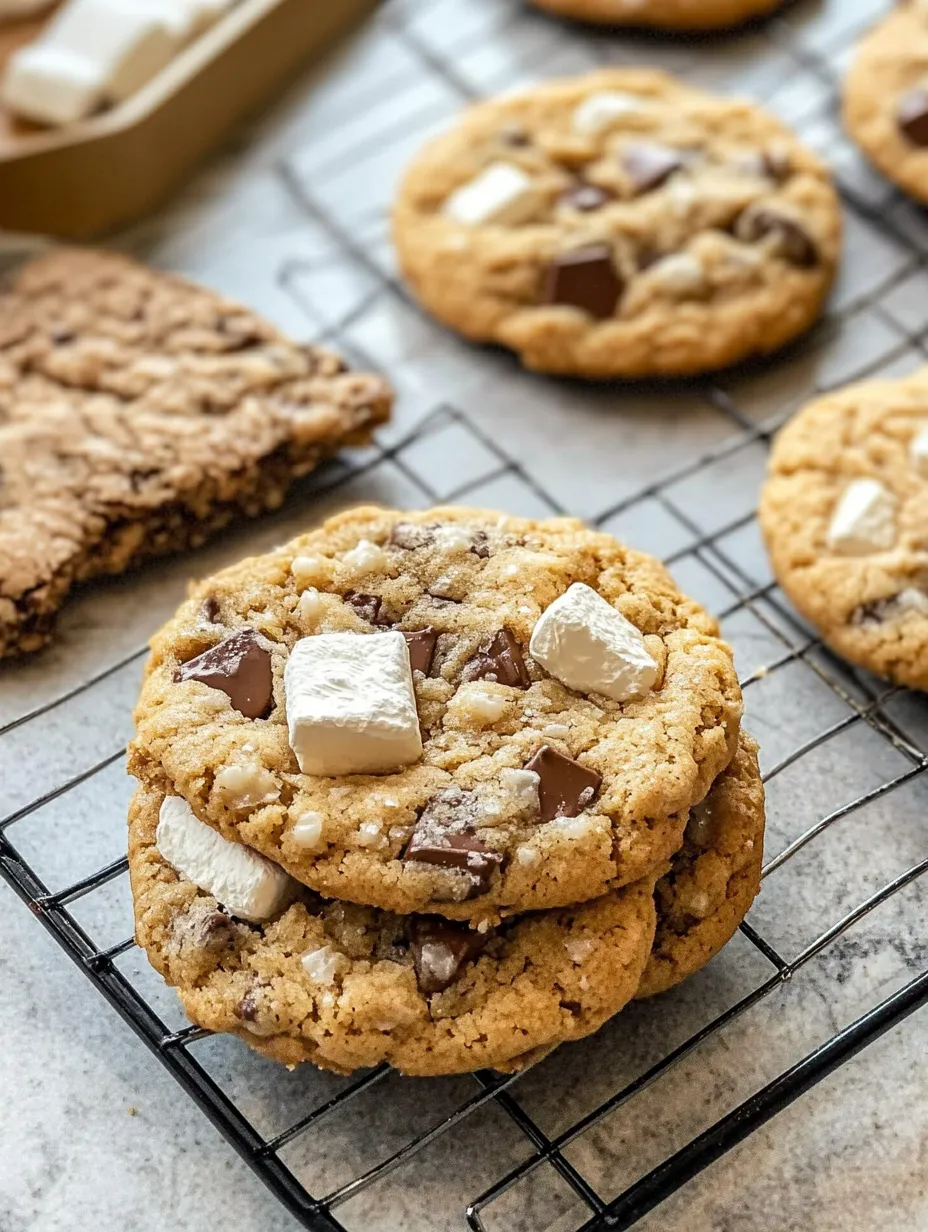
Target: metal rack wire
[[742, 592]]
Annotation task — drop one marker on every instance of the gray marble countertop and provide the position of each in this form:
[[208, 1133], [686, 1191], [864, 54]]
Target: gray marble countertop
[[95, 1135]]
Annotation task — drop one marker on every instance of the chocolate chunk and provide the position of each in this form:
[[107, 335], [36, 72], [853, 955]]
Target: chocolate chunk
[[62, 336], [464, 851], [421, 646], [368, 608], [515, 136], [209, 610], [878, 611], [409, 535], [585, 278], [649, 165], [912, 115], [793, 242], [502, 661], [247, 1008], [481, 545], [440, 949], [240, 667], [585, 197], [566, 788]]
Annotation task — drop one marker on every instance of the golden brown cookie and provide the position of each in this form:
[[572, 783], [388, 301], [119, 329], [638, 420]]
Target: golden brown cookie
[[347, 987], [844, 514], [533, 786], [886, 97], [714, 877], [620, 224], [140, 414], [663, 14]]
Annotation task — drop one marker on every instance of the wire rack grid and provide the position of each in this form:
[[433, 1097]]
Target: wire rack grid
[[838, 922]]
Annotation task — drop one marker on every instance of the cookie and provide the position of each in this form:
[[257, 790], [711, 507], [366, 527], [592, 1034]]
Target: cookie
[[844, 513], [551, 703], [886, 97], [140, 414], [620, 224], [714, 877], [346, 986], [663, 14]]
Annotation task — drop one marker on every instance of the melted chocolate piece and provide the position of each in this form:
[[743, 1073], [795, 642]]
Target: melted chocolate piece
[[368, 608], [421, 646], [585, 197], [566, 788], [649, 165], [241, 668], [502, 661], [794, 244], [209, 610], [440, 949], [247, 1008], [444, 837], [585, 278], [481, 545], [912, 115]]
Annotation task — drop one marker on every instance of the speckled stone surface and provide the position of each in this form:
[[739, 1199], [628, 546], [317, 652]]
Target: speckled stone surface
[[850, 1157]]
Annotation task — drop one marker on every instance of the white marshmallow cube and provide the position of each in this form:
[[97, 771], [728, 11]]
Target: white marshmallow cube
[[600, 110], [501, 193], [864, 520], [249, 886], [918, 452], [585, 643], [51, 85], [351, 706]]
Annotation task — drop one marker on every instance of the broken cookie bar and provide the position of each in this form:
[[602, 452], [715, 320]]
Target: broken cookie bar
[[139, 414], [532, 744]]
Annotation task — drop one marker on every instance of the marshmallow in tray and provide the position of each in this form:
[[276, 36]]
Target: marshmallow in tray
[[244, 882], [591, 648], [95, 52], [351, 706]]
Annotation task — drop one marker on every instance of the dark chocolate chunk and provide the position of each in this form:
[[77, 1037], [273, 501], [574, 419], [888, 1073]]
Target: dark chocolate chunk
[[240, 667], [514, 135], [440, 949], [566, 788], [481, 545], [585, 197], [585, 278], [878, 611], [444, 837], [368, 608], [247, 1008], [649, 165], [421, 645], [912, 115], [410, 535], [502, 661], [794, 244], [209, 610], [62, 336]]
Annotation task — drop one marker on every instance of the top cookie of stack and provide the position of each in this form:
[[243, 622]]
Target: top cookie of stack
[[451, 711]]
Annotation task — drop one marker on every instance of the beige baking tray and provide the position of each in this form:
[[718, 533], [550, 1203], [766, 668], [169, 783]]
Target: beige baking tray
[[106, 171]]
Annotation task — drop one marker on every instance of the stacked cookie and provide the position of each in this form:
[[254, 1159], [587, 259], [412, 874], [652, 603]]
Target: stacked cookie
[[440, 789]]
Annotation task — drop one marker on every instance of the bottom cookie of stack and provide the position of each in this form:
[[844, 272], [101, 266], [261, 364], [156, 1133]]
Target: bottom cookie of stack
[[347, 987]]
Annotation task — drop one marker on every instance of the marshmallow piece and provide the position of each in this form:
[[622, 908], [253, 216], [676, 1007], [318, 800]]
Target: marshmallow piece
[[323, 966], [600, 110], [502, 193], [246, 884], [351, 706], [591, 648], [51, 85], [864, 519], [307, 832], [919, 452]]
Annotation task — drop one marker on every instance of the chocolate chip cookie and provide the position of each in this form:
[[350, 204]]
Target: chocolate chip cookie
[[844, 512], [886, 97], [451, 711], [620, 224], [663, 14], [346, 986], [714, 877], [139, 414]]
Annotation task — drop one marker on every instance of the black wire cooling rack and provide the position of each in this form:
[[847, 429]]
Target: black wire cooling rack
[[852, 751]]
